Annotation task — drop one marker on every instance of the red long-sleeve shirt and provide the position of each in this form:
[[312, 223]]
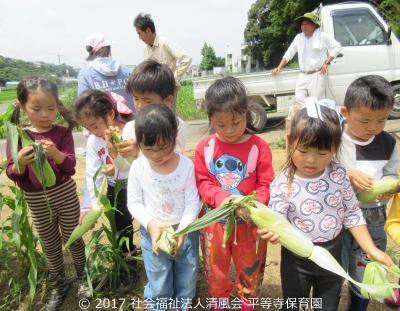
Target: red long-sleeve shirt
[[63, 140], [223, 169]]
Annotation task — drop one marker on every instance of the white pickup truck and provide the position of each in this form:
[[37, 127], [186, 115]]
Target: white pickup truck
[[368, 47]]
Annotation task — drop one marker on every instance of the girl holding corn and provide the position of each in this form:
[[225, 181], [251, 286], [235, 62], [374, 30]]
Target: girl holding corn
[[162, 194], [38, 98], [97, 111], [228, 164], [314, 193]]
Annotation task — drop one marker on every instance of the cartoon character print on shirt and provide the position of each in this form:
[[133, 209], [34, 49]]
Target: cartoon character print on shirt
[[229, 170]]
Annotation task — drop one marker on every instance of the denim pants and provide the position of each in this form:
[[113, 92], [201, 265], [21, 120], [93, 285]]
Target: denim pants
[[299, 274], [354, 259], [170, 279]]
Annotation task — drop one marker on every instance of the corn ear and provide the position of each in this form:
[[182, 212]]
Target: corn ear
[[289, 236], [384, 186], [117, 138], [167, 242], [91, 217]]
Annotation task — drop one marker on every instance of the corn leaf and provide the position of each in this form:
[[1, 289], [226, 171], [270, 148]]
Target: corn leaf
[[7, 114], [12, 135]]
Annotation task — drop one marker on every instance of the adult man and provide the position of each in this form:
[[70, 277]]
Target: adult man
[[312, 47], [162, 49]]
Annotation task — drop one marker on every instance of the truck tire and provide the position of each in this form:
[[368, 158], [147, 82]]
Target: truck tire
[[259, 116], [395, 112]]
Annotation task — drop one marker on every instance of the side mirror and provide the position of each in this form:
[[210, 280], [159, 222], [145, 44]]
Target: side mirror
[[388, 34]]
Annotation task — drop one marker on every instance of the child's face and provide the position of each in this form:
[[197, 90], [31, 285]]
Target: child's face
[[310, 162], [364, 123], [41, 109], [229, 126], [96, 125], [159, 154], [141, 100]]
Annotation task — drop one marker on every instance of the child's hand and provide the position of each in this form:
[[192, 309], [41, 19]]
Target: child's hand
[[382, 197], [181, 240], [109, 170], [229, 199], [51, 151], [128, 148], [268, 236], [26, 156], [359, 180], [107, 136], [377, 255], [154, 229]]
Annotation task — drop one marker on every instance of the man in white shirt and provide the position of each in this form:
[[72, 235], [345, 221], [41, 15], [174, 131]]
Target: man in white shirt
[[162, 49], [312, 47]]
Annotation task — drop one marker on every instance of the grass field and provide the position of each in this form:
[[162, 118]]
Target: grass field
[[7, 95]]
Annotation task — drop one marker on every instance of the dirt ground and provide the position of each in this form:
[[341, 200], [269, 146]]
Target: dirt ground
[[114, 301]]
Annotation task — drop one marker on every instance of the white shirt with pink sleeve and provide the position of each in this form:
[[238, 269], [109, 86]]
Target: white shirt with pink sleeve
[[318, 207]]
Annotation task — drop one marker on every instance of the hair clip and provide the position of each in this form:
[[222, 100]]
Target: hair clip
[[313, 107]]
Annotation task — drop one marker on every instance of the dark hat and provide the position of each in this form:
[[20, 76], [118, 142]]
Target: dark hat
[[311, 16]]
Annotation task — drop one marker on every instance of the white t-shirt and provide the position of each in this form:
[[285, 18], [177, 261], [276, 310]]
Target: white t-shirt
[[96, 155], [169, 199]]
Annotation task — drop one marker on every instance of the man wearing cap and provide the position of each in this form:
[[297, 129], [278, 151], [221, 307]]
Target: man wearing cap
[[163, 50], [103, 72], [312, 47]]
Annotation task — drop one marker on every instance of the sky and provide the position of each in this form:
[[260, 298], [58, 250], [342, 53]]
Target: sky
[[40, 30]]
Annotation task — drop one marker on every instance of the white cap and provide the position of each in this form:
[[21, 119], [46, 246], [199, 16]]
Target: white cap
[[97, 41]]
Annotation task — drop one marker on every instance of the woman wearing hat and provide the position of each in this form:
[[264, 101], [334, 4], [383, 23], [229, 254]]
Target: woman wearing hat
[[312, 46], [103, 72]]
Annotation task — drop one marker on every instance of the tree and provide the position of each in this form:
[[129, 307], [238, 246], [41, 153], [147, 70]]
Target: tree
[[209, 60], [390, 9]]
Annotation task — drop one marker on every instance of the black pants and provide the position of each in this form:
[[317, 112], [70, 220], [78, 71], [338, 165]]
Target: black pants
[[123, 218], [299, 274]]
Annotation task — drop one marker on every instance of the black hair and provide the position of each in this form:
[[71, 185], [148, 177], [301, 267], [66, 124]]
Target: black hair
[[97, 104], [31, 85], [152, 77], [144, 21], [105, 51], [156, 122], [229, 95], [372, 91], [313, 133]]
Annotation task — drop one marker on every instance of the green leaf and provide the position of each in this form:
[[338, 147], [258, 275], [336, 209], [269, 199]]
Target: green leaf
[[12, 135]]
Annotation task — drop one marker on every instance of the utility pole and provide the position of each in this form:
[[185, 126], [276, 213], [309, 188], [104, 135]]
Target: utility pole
[[59, 66]]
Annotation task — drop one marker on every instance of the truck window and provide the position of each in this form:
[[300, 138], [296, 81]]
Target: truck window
[[357, 27]]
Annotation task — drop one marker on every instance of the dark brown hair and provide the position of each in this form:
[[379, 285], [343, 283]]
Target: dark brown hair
[[102, 52], [31, 85]]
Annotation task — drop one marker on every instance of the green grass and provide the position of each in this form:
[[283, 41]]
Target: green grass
[[7, 95], [186, 105]]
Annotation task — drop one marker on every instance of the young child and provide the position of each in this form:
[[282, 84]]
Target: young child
[[38, 98], [162, 192], [314, 193], [368, 153], [96, 111], [228, 164], [150, 82]]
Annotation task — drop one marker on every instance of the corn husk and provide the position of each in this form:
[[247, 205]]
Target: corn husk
[[117, 138], [386, 186], [167, 242], [293, 240]]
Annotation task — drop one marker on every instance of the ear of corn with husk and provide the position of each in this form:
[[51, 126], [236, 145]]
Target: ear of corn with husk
[[117, 138], [167, 242], [41, 167], [290, 238], [385, 186], [91, 217], [375, 272]]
